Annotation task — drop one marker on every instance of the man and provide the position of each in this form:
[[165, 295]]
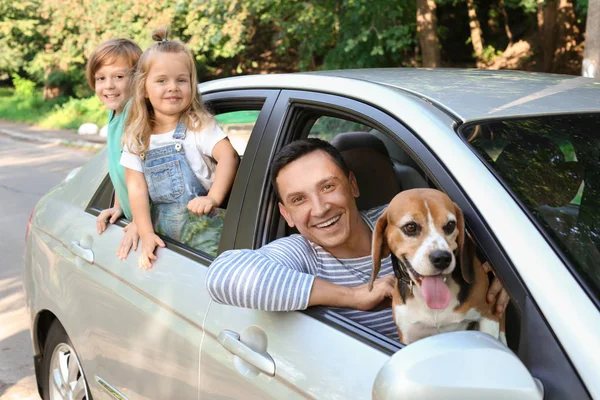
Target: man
[[329, 262]]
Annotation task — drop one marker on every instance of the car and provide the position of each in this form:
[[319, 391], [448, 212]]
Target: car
[[518, 152]]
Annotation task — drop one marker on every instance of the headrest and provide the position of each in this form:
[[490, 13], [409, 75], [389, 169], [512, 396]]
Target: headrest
[[356, 140], [536, 170], [368, 159]]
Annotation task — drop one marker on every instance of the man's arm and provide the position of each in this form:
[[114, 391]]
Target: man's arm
[[280, 277]]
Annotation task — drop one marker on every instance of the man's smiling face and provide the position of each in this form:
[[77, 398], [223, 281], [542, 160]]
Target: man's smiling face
[[318, 199]]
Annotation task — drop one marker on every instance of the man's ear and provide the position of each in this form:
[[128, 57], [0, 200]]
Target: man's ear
[[354, 185], [283, 211]]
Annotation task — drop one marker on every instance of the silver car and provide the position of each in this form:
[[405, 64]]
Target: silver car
[[518, 152]]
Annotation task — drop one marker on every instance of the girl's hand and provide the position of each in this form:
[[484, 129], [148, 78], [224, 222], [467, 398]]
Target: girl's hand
[[129, 241], [110, 214], [202, 205], [149, 243]]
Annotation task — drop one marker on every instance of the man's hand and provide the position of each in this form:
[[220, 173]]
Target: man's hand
[[111, 214], [202, 205], [496, 293], [129, 241], [149, 243], [365, 299]]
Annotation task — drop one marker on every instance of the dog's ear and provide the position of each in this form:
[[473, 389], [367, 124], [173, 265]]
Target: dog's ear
[[379, 246], [466, 248]]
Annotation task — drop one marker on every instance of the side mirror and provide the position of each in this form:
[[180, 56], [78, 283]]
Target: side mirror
[[465, 365]]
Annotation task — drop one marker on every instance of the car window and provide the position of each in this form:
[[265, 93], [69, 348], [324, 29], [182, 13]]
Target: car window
[[238, 126], [203, 232], [552, 164]]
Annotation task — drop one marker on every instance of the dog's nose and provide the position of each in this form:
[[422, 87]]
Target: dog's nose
[[440, 259]]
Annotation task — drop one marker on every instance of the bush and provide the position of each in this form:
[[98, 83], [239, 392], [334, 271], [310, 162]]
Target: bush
[[29, 109], [75, 112], [23, 87]]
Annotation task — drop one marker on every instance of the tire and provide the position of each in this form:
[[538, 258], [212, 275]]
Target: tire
[[62, 376]]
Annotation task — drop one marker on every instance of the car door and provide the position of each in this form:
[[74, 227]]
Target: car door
[[145, 327], [318, 353]]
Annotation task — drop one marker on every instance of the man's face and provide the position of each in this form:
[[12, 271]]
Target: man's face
[[319, 200]]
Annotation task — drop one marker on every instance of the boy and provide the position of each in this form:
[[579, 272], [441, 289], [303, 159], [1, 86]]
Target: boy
[[109, 70]]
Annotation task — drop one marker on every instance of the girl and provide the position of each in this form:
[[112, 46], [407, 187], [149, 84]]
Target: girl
[[108, 72], [174, 153]]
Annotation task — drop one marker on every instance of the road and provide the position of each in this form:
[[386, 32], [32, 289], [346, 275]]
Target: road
[[27, 171]]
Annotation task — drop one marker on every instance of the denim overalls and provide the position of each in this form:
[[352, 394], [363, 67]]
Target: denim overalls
[[171, 185]]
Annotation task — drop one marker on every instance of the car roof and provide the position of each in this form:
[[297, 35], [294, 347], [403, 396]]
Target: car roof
[[467, 94]]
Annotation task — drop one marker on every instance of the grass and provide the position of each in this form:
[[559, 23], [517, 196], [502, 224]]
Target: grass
[[60, 113], [70, 113]]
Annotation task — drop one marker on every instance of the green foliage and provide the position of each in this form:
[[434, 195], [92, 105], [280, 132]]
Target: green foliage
[[581, 7], [29, 109], [75, 112], [489, 52], [23, 87], [529, 6]]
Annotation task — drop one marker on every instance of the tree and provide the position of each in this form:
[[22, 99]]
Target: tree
[[19, 36], [428, 37], [591, 57], [476, 34]]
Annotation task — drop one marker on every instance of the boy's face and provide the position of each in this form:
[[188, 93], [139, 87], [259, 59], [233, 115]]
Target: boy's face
[[319, 200], [112, 84]]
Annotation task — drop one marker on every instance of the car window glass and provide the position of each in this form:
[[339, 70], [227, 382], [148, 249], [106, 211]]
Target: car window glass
[[552, 164], [203, 232], [238, 125]]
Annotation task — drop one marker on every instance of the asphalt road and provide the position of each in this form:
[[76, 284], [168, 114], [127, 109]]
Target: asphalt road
[[27, 171]]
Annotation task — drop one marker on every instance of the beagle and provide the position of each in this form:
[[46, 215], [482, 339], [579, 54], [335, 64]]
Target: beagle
[[441, 285]]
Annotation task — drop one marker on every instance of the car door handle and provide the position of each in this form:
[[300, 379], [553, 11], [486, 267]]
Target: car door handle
[[261, 360], [81, 252]]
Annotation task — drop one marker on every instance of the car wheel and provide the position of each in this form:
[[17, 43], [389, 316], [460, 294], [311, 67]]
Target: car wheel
[[62, 374]]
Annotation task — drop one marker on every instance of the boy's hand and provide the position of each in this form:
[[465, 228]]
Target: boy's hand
[[149, 243], [202, 205], [111, 214], [129, 241]]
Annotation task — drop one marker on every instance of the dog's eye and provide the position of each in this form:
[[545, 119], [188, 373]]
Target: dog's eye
[[411, 229], [450, 227]]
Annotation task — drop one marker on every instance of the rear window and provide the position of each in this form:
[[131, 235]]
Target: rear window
[[552, 164]]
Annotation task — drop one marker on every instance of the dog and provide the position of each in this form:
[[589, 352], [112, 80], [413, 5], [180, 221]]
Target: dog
[[441, 285]]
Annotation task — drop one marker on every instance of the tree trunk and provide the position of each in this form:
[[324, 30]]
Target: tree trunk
[[591, 56], [427, 29], [476, 35], [547, 13], [506, 25]]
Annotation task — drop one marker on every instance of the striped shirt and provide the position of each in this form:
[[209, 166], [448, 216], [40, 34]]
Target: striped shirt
[[279, 277]]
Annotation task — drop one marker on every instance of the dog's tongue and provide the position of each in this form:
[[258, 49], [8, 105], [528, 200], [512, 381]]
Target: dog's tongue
[[435, 292]]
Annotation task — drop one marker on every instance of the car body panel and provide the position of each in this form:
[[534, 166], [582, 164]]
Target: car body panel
[[306, 353], [466, 94]]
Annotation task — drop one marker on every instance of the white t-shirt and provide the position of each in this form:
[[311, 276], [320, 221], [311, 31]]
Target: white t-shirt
[[194, 143]]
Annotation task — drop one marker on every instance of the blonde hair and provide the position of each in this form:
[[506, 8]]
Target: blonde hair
[[140, 120], [107, 53]]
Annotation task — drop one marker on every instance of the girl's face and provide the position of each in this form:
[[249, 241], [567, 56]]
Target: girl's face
[[168, 86], [112, 85]]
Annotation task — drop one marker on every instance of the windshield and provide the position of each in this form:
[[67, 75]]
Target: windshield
[[552, 164]]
